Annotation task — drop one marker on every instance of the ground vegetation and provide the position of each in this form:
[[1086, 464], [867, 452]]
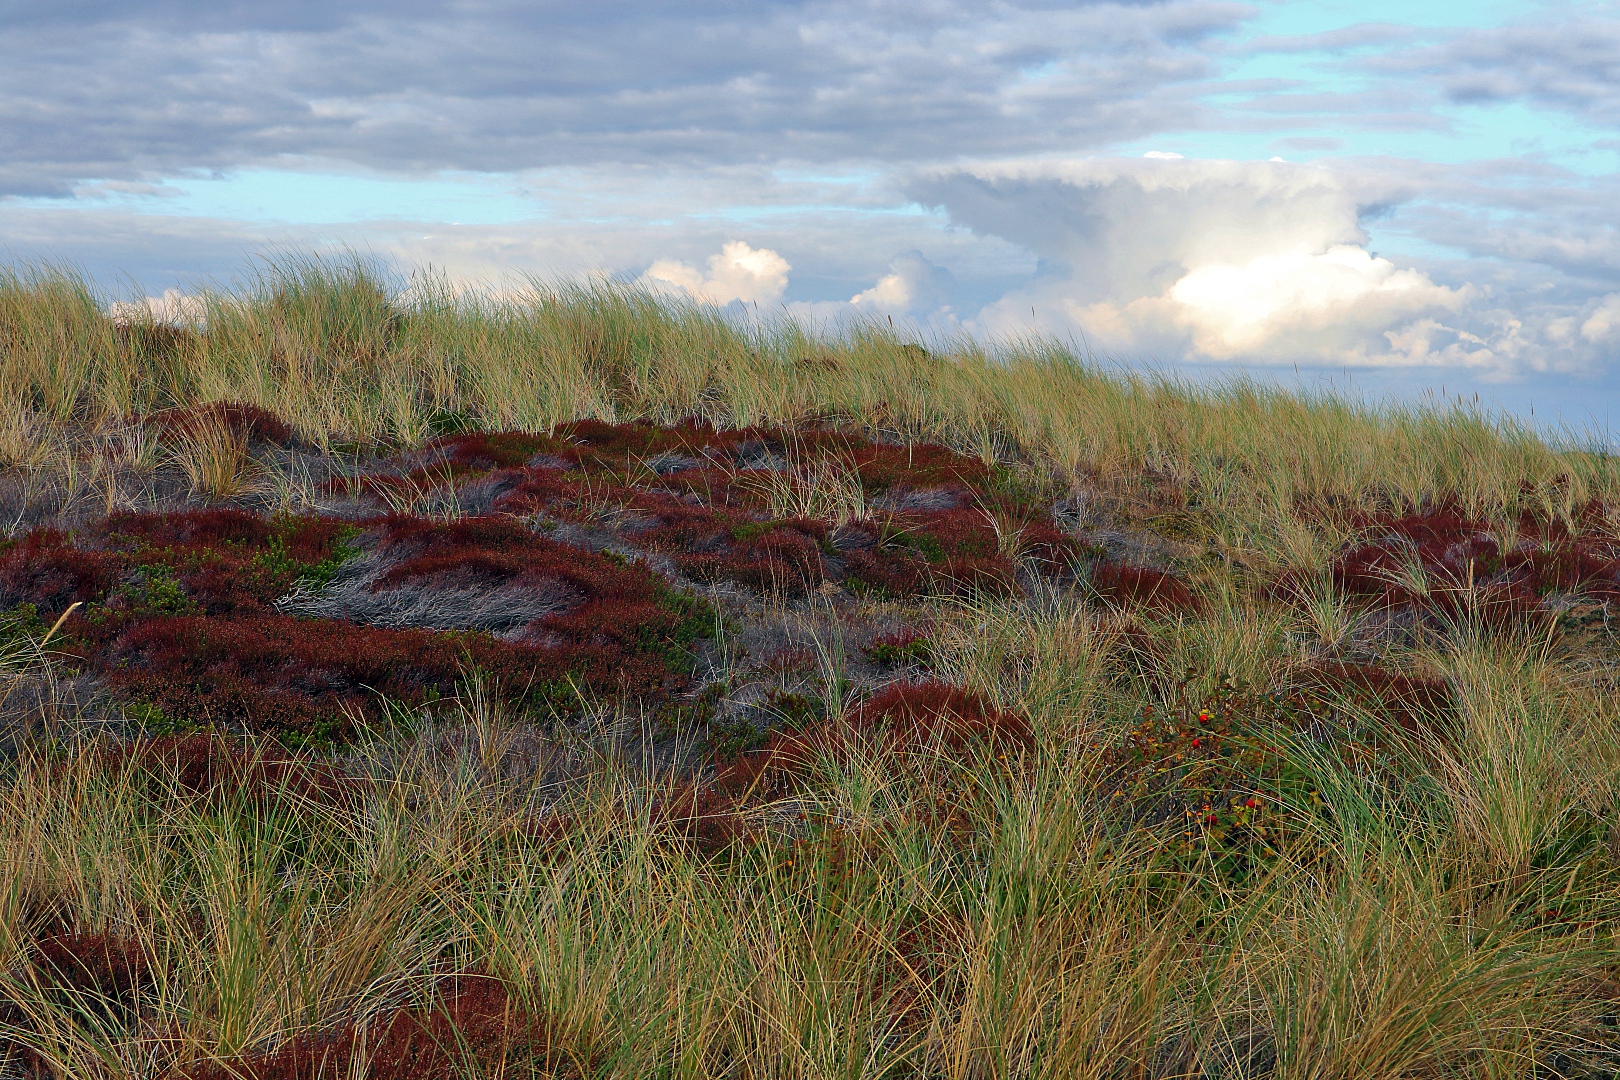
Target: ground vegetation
[[578, 683]]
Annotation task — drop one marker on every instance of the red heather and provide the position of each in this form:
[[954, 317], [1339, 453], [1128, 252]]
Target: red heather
[[247, 422], [1143, 586], [103, 964], [45, 570], [474, 1027], [1414, 704], [218, 768]]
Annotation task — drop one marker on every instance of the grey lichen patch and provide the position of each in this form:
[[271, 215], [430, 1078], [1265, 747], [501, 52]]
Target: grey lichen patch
[[358, 593]]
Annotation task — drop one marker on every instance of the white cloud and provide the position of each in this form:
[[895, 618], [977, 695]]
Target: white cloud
[[912, 286], [1604, 323], [738, 272], [1504, 347], [174, 306], [1275, 301], [893, 292], [1214, 260]]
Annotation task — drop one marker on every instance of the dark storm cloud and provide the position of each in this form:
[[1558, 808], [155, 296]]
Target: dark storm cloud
[[132, 91]]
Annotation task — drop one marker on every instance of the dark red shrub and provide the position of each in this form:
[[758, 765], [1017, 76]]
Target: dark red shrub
[[1290, 586], [250, 423], [785, 557], [878, 556], [1560, 568], [915, 714], [692, 493], [708, 816], [906, 554], [222, 558], [217, 768], [1142, 586], [46, 570], [624, 440], [97, 975], [186, 626], [1414, 704], [1440, 525], [111, 968], [491, 449], [1445, 564], [902, 718], [918, 465], [195, 530], [619, 604], [1051, 547], [1458, 554], [277, 674], [474, 1027]]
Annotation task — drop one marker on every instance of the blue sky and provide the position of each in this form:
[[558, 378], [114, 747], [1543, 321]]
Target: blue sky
[[1389, 196]]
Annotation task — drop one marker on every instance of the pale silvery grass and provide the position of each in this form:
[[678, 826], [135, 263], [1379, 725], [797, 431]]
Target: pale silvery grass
[[24, 439], [1326, 618], [433, 496]]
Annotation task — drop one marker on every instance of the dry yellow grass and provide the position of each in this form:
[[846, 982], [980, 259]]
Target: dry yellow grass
[[1437, 906], [327, 346]]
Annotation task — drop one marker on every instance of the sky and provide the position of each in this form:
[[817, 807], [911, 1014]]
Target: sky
[[1410, 200]]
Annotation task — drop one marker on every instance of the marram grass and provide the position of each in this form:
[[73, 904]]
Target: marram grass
[[331, 348], [1439, 901]]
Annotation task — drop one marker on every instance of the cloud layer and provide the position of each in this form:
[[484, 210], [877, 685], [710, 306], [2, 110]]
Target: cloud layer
[[965, 166], [140, 90]]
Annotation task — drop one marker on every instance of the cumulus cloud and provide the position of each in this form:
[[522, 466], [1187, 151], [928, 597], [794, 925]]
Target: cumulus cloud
[[913, 286], [1222, 259], [174, 307], [1271, 263], [1280, 306], [738, 272], [1273, 301], [1603, 324]]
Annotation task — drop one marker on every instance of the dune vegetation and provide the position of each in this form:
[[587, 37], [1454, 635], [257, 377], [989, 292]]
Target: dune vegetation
[[576, 682]]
